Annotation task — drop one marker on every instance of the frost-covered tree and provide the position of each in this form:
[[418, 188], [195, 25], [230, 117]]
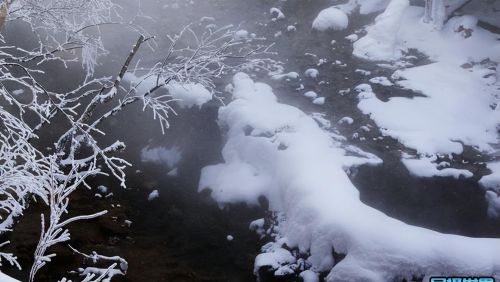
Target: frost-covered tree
[[68, 31]]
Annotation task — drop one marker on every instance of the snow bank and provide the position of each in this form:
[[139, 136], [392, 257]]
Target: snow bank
[[458, 107], [331, 18], [281, 153], [456, 110], [491, 183], [381, 42], [426, 167], [6, 278]]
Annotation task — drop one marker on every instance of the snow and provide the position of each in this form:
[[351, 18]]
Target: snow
[[229, 238], [352, 37], [311, 94], [319, 101], [161, 155], [381, 42], [427, 167], [6, 278], [382, 80], [153, 195], [312, 73], [258, 227], [241, 35], [456, 111], [286, 76], [188, 95], [277, 13], [277, 258], [372, 6], [492, 181], [102, 189], [300, 169], [455, 106], [18, 92], [309, 276], [486, 13], [363, 72], [493, 200], [347, 120], [331, 18]]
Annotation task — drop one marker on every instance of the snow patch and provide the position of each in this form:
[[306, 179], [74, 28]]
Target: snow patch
[[427, 167], [161, 155]]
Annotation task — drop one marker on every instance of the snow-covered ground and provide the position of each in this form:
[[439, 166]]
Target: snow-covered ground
[[461, 87], [277, 151]]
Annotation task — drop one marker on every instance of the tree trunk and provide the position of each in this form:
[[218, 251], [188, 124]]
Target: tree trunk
[[4, 12]]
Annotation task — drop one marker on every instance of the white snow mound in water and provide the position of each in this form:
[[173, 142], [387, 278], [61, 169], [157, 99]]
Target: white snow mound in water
[[331, 18], [279, 152]]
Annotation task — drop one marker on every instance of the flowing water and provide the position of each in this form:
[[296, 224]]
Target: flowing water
[[182, 235]]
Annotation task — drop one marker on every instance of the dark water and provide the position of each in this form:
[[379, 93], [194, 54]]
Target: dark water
[[182, 235]]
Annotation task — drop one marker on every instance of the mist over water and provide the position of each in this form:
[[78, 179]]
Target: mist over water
[[182, 235]]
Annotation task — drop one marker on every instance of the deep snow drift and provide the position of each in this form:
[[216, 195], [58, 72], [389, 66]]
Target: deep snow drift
[[279, 152]]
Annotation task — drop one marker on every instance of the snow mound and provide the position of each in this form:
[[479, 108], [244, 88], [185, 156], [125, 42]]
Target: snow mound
[[331, 18], [281, 153], [381, 43]]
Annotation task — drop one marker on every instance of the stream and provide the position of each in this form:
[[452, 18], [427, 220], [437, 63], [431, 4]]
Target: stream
[[183, 234]]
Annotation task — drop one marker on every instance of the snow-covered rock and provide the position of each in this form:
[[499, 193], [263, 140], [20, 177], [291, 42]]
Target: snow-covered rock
[[286, 76], [331, 19], [277, 13], [319, 101], [311, 73], [153, 195], [311, 94], [382, 80]]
